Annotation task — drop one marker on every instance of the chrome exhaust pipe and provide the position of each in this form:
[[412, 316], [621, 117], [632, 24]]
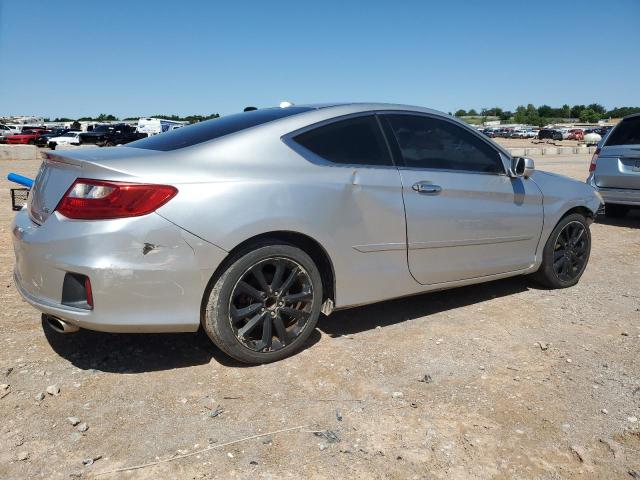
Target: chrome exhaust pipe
[[60, 325]]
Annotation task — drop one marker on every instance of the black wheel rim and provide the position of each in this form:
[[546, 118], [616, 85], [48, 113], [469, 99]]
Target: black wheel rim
[[570, 251], [271, 304]]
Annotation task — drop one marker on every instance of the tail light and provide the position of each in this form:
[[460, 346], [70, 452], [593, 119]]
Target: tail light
[[594, 159], [89, 199]]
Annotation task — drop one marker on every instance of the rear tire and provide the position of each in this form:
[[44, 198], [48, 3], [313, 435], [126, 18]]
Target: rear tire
[[566, 253], [265, 304], [613, 210]]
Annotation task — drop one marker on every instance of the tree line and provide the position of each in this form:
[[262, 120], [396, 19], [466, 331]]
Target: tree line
[[106, 117], [544, 114]]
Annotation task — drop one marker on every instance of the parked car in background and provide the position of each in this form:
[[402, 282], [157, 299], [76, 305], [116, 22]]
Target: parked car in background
[[518, 133], [71, 137], [43, 139], [615, 167], [489, 132], [576, 134], [6, 131], [154, 126], [111, 135], [250, 225], [549, 134], [26, 137], [532, 133]]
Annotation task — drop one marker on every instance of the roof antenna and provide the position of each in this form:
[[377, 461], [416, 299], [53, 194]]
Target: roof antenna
[[249, 109]]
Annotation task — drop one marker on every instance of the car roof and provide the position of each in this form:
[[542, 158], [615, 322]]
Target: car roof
[[368, 106]]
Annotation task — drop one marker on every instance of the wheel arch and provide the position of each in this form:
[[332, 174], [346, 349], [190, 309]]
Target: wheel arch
[[582, 210], [309, 245]]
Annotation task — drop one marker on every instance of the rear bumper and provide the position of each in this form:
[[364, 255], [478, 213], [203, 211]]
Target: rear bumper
[[133, 291], [617, 195]]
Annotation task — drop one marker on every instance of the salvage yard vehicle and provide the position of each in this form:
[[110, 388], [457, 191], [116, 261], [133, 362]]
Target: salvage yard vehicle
[[6, 131], [615, 167], [43, 139], [549, 133], [71, 137], [251, 225], [27, 137], [111, 135], [575, 134]]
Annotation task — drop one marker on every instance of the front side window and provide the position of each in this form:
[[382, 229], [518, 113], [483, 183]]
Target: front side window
[[355, 141], [427, 142]]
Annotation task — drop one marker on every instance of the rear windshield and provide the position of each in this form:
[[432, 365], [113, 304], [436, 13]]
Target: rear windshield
[[626, 133], [211, 129]]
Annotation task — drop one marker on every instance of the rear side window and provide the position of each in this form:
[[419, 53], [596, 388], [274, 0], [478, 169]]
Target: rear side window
[[427, 142], [355, 141], [212, 129], [626, 133]]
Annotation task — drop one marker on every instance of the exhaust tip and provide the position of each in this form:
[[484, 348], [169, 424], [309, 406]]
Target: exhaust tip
[[59, 325]]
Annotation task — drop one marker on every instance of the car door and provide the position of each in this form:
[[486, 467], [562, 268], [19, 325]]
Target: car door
[[362, 188], [466, 218]]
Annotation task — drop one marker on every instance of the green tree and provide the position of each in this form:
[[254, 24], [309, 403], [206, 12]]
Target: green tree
[[565, 111], [589, 115], [104, 117], [576, 109], [461, 113], [545, 111], [472, 112], [596, 107], [505, 115], [622, 111], [521, 114]]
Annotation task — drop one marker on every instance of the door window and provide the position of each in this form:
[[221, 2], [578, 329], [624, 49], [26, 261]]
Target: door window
[[430, 143], [355, 141]]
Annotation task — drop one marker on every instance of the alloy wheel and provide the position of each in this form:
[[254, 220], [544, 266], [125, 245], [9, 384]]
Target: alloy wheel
[[271, 304], [570, 251]]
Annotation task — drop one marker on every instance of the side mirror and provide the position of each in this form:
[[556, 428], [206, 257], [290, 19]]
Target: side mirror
[[522, 167]]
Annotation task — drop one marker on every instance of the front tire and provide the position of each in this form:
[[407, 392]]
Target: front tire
[[566, 253], [265, 304]]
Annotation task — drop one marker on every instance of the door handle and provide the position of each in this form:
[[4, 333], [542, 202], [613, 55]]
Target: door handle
[[427, 188]]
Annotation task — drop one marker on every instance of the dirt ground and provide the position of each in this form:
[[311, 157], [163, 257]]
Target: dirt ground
[[501, 380]]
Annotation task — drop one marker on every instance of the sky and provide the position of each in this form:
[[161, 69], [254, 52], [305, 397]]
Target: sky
[[130, 58]]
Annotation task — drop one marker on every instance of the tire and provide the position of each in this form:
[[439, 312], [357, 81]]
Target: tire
[[548, 275], [258, 337], [613, 210]]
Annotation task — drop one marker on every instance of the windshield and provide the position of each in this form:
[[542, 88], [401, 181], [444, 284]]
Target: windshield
[[103, 128], [211, 129]]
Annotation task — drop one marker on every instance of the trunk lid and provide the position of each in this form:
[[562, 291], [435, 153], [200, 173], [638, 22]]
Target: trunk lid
[[60, 169], [618, 166], [54, 178]]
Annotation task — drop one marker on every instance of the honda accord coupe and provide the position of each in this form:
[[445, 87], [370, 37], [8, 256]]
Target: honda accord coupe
[[251, 225]]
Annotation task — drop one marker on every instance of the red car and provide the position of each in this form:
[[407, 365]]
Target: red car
[[576, 134], [25, 138]]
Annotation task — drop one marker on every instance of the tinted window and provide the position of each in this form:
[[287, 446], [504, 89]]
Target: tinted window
[[626, 133], [211, 129], [431, 143], [356, 141]]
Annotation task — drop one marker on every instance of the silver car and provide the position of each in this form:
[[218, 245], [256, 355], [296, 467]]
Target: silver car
[[615, 167], [251, 225]]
